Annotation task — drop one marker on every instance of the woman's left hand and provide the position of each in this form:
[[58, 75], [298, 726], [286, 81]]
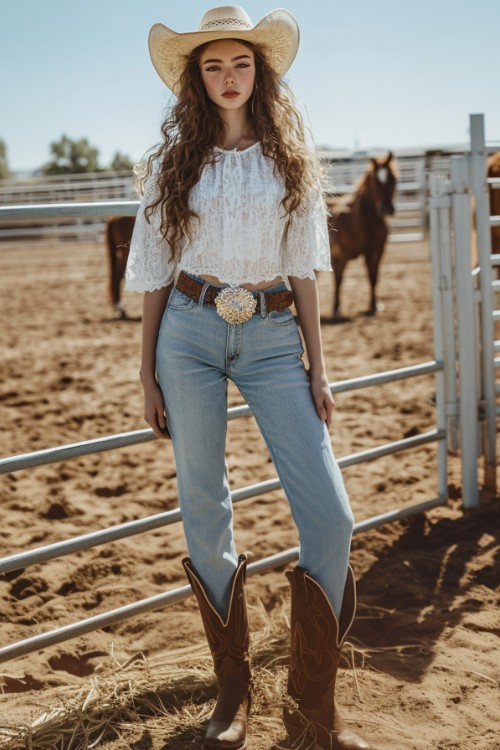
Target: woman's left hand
[[322, 397]]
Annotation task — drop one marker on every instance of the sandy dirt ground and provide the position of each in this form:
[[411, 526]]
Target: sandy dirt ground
[[425, 642]]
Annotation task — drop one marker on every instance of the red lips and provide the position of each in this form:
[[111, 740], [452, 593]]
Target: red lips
[[230, 94]]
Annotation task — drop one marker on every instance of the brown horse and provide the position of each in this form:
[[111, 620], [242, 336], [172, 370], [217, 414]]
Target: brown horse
[[357, 226], [494, 171], [118, 235]]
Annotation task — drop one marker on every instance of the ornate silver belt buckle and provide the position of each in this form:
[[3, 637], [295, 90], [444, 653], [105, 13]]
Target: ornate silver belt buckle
[[235, 304]]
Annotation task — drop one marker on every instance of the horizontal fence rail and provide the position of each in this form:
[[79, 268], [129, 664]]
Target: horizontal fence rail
[[58, 210], [131, 528], [124, 439]]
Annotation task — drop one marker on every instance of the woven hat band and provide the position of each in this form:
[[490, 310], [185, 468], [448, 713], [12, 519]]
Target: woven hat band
[[220, 24]]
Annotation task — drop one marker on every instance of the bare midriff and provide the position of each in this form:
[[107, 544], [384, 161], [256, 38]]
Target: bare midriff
[[261, 286]]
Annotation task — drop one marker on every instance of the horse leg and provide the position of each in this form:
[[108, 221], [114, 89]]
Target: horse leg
[[372, 260], [121, 267], [117, 256], [338, 264], [114, 280]]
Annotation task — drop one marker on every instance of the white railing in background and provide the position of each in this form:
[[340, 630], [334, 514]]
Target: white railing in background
[[408, 224], [91, 188]]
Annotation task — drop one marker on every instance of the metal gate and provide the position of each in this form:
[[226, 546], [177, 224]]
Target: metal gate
[[466, 281]]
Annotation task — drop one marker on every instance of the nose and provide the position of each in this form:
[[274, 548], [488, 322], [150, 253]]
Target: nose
[[228, 79]]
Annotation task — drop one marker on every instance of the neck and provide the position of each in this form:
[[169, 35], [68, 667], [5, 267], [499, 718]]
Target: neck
[[237, 127]]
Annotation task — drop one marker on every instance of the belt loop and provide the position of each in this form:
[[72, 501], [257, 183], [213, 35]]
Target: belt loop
[[263, 311], [201, 298]]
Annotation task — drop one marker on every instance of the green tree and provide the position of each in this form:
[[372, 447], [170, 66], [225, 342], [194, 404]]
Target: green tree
[[4, 167], [121, 162], [72, 157]]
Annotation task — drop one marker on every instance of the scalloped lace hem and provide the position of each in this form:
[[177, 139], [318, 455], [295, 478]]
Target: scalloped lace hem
[[141, 286]]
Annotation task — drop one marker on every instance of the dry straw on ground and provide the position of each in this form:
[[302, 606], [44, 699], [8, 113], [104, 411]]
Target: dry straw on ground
[[174, 694]]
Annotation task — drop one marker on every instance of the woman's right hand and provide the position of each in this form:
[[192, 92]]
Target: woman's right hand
[[154, 410]]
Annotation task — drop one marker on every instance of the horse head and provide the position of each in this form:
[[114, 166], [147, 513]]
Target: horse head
[[380, 185]]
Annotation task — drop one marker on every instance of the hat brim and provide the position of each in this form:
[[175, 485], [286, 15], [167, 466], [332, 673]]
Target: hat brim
[[277, 33]]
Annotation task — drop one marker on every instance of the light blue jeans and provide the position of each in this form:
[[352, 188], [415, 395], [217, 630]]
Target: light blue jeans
[[197, 352]]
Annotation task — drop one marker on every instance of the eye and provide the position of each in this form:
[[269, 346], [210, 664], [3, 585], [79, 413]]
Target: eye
[[211, 69], [243, 65]]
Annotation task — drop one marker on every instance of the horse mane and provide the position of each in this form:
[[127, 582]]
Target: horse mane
[[362, 182]]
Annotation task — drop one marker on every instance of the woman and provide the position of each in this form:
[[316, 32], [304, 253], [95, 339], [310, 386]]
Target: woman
[[230, 231]]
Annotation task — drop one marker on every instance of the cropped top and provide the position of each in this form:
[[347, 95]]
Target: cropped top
[[241, 234]]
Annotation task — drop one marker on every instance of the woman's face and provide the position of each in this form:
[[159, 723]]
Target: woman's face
[[228, 72]]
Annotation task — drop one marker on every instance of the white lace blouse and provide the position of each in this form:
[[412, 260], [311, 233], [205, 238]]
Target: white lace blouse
[[241, 235]]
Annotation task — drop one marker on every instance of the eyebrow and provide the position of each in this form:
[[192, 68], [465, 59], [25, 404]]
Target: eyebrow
[[238, 57]]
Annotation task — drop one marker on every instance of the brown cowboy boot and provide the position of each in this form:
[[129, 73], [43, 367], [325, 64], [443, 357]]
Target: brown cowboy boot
[[228, 643], [317, 638]]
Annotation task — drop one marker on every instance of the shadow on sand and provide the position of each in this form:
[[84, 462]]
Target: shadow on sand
[[422, 584]]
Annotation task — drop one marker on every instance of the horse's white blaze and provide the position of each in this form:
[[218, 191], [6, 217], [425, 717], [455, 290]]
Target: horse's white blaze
[[382, 175]]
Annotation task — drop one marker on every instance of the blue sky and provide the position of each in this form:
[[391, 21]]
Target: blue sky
[[369, 73]]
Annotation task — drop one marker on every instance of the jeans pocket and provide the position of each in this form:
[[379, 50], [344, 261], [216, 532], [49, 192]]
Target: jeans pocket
[[281, 317], [179, 301]]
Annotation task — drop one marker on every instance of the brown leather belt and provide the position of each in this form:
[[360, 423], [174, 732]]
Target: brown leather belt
[[192, 288]]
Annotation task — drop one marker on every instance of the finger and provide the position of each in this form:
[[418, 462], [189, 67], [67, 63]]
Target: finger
[[161, 419], [161, 432], [320, 408], [162, 423], [153, 423], [329, 406]]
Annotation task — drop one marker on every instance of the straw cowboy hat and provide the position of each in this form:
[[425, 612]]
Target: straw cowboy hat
[[277, 33]]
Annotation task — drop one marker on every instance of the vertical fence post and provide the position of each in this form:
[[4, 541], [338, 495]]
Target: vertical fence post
[[478, 176], [443, 299], [467, 338], [440, 284]]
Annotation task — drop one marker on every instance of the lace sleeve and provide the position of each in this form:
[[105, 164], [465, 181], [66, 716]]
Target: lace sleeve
[[149, 265], [306, 244]]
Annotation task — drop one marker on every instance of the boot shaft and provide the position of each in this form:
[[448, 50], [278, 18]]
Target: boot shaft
[[316, 638], [229, 638]]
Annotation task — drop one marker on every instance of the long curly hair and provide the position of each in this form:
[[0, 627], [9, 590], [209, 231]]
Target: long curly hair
[[193, 127]]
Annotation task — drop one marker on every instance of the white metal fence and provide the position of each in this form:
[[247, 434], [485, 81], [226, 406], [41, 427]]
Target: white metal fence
[[459, 408]]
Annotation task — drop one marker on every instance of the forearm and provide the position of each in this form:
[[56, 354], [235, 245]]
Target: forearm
[[154, 304], [305, 292]]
